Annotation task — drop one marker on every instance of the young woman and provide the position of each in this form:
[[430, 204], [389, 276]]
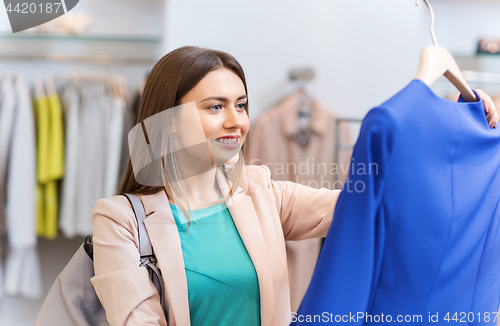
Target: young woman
[[224, 263]]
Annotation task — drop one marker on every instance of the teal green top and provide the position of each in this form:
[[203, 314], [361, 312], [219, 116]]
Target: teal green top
[[222, 282]]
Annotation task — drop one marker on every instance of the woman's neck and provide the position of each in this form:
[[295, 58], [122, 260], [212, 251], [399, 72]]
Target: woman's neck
[[201, 189]]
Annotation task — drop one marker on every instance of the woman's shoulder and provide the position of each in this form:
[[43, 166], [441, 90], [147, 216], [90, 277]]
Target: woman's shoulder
[[117, 209], [258, 174], [261, 171]]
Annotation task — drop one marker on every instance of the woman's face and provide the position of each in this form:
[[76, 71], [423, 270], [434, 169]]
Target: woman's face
[[220, 99]]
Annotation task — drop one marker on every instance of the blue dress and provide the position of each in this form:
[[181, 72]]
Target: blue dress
[[415, 238], [223, 288]]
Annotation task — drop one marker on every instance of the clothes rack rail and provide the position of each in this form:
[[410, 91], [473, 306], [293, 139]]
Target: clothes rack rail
[[89, 59]]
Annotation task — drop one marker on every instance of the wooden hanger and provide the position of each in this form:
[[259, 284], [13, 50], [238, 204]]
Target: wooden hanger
[[305, 102], [122, 86], [436, 61], [305, 108], [49, 85], [38, 85]]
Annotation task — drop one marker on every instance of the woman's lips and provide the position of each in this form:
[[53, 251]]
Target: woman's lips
[[228, 145]]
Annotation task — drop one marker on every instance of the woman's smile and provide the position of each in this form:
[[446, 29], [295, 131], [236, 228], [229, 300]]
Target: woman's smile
[[230, 142]]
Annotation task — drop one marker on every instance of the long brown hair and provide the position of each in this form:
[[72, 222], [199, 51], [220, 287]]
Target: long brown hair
[[171, 78]]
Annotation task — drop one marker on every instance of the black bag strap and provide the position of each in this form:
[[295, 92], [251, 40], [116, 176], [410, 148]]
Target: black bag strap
[[148, 258], [145, 247], [89, 247]]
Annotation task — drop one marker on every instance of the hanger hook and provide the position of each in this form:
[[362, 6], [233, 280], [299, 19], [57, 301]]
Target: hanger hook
[[432, 20]]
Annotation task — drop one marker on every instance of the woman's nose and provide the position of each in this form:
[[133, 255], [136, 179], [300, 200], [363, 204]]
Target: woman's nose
[[232, 119]]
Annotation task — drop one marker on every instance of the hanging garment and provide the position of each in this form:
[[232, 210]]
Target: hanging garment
[[56, 138], [43, 136], [93, 144], [272, 143], [114, 146], [7, 108], [67, 217], [416, 232], [130, 119], [22, 272], [50, 163], [50, 202], [94, 129]]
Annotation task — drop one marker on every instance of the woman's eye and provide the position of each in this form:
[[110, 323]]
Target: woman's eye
[[216, 107], [241, 106]]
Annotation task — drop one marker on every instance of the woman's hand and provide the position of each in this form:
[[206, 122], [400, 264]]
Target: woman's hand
[[491, 112]]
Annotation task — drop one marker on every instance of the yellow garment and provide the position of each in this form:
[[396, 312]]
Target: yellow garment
[[43, 142], [51, 210], [50, 159], [56, 156]]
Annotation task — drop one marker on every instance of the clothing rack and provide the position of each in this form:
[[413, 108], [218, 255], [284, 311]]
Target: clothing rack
[[88, 59], [481, 77]]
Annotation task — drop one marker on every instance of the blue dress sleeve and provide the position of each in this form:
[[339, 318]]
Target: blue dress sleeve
[[349, 263]]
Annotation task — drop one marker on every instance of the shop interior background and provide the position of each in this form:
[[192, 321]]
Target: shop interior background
[[362, 52]]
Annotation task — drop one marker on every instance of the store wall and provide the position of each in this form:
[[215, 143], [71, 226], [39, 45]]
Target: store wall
[[460, 23], [362, 51]]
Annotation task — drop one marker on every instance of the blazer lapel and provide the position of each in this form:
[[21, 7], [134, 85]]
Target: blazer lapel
[[166, 243], [245, 218]]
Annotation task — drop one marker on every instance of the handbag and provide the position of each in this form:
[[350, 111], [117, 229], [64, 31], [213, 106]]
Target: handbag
[[72, 299]]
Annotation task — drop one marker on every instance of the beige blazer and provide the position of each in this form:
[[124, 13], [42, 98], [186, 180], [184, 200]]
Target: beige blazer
[[269, 212]]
